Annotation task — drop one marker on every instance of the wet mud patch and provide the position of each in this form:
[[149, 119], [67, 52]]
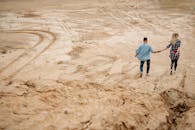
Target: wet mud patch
[[30, 15], [177, 105], [3, 51], [76, 51]]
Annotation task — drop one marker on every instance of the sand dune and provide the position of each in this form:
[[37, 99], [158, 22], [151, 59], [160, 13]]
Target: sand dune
[[70, 65]]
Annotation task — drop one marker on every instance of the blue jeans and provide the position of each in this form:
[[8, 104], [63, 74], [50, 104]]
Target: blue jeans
[[142, 65]]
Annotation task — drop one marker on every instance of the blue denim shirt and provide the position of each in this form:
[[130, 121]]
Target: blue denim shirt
[[143, 52]]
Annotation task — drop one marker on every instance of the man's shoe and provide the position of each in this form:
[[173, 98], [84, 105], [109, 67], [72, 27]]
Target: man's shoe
[[171, 72]]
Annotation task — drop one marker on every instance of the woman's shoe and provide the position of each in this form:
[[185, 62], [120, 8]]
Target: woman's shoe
[[171, 72]]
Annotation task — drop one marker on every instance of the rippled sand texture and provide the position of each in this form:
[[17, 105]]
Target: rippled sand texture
[[70, 65]]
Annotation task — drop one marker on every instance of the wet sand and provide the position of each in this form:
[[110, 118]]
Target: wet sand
[[70, 65]]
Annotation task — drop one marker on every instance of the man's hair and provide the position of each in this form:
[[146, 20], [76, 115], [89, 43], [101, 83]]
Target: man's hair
[[145, 39], [176, 34]]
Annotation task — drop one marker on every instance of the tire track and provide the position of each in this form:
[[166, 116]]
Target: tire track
[[41, 38], [121, 13], [51, 42], [117, 18], [66, 28]]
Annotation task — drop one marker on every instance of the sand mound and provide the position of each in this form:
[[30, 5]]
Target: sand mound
[[81, 106]]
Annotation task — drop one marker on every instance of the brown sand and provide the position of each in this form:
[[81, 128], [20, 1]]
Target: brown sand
[[70, 65]]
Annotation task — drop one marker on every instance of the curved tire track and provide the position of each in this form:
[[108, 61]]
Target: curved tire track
[[41, 38], [40, 42]]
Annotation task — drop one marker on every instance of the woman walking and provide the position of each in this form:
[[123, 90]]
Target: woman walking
[[174, 51]]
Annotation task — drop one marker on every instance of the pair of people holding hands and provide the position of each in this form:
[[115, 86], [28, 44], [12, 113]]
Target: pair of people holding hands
[[144, 50]]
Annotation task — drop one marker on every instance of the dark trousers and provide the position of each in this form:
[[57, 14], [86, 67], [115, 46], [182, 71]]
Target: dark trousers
[[142, 65], [174, 63]]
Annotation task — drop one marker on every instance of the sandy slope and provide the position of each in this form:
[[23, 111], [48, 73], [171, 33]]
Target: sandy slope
[[71, 65]]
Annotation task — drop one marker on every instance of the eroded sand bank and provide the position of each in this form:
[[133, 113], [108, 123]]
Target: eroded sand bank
[[70, 65]]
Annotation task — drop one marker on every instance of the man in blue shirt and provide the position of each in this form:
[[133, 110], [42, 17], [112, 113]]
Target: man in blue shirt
[[143, 54]]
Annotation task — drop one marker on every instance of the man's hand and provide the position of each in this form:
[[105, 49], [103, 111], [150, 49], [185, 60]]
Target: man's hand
[[157, 51]]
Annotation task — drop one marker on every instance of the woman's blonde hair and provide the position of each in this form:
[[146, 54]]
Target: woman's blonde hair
[[174, 38]]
